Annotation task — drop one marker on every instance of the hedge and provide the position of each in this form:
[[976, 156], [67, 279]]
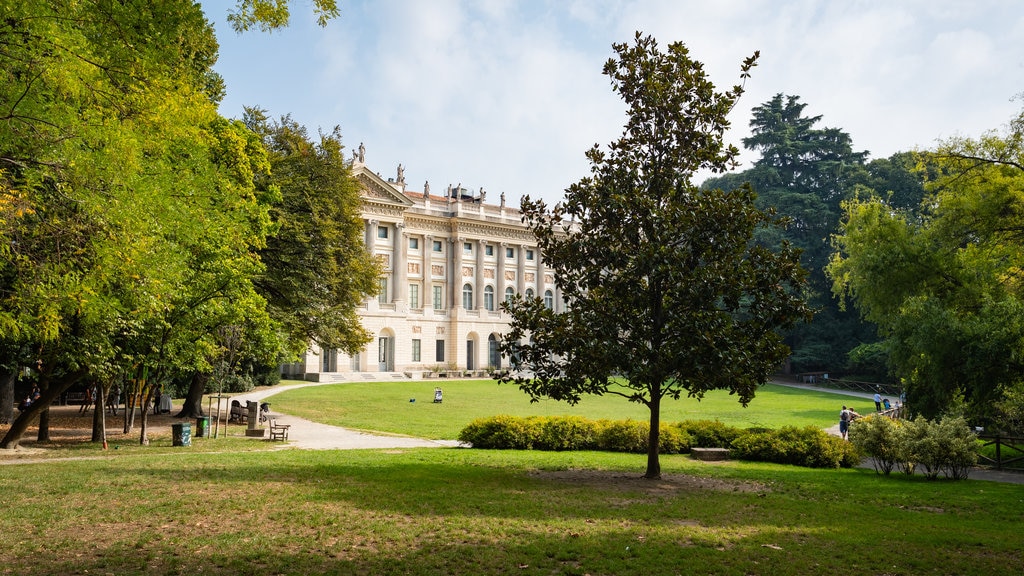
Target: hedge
[[804, 447]]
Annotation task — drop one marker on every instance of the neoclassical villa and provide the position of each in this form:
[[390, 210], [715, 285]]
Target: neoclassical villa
[[449, 261]]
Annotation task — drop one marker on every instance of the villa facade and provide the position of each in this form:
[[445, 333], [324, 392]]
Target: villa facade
[[449, 261]]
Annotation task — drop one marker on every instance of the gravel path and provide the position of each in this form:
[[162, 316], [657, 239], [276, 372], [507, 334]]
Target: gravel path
[[310, 435]]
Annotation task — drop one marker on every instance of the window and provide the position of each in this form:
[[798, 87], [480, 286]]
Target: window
[[416, 350], [510, 252], [529, 254], [549, 299], [509, 294], [382, 295], [382, 231], [467, 247], [529, 292], [414, 243], [437, 246], [489, 298], [438, 302], [439, 351], [467, 297], [414, 296], [488, 250]]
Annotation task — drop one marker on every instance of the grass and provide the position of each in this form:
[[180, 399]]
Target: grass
[[459, 511], [217, 510], [386, 406]]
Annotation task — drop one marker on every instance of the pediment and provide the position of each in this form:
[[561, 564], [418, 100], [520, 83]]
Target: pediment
[[376, 189]]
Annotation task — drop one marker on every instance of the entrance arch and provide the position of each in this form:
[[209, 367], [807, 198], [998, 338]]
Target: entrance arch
[[471, 351], [493, 354], [386, 351]]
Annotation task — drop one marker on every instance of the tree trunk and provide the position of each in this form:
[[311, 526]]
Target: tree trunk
[[143, 431], [22, 422], [193, 406], [43, 434], [653, 438], [99, 415], [7, 396]]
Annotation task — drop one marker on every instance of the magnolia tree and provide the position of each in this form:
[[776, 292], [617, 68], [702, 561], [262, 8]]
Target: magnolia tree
[[667, 293]]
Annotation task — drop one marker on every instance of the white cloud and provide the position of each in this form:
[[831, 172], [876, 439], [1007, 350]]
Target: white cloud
[[509, 95]]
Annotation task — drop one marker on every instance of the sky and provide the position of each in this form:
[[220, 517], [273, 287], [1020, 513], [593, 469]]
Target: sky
[[508, 95]]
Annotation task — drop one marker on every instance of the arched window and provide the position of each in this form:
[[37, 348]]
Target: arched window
[[549, 300], [467, 297], [529, 292], [489, 298], [509, 294]]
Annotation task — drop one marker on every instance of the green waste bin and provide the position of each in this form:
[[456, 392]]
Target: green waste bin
[[203, 427], [181, 434]]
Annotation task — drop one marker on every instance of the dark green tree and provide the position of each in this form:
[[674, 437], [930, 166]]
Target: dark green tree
[[667, 294], [318, 239], [804, 172]]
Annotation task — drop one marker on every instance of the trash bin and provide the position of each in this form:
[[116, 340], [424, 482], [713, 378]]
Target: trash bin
[[203, 427], [181, 434]]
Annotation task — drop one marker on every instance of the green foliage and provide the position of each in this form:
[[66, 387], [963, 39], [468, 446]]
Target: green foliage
[[270, 15], [1009, 412], [810, 447], [667, 290], [317, 238], [566, 433], [947, 446], [709, 433], [943, 283], [130, 221], [500, 432], [804, 172], [877, 437], [869, 361]]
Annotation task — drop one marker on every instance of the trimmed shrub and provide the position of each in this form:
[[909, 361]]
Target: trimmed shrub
[[809, 446], [566, 433], [500, 432], [623, 436], [709, 433]]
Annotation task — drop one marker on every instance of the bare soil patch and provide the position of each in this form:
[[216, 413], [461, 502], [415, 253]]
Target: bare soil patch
[[68, 425], [667, 484]]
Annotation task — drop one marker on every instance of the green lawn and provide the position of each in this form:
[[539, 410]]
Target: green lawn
[[386, 406], [463, 511]]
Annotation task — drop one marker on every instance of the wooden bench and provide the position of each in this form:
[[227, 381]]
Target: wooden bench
[[278, 431]]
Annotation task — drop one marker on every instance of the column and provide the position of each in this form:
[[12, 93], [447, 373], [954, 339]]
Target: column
[[478, 293], [521, 269], [371, 234], [401, 276], [428, 274], [454, 273], [540, 273], [499, 286]]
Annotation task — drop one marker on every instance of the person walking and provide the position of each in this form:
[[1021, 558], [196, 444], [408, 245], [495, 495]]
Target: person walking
[[846, 415], [878, 402]]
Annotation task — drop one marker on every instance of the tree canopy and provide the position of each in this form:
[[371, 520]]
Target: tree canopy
[[318, 239], [804, 173], [132, 224], [663, 284], [943, 282]]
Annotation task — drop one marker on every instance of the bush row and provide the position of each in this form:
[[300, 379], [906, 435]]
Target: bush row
[[947, 446], [801, 446]]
